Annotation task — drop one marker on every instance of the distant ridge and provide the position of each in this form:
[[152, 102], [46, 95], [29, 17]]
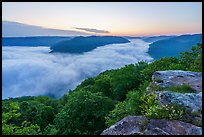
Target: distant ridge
[[84, 44], [33, 41], [172, 47]]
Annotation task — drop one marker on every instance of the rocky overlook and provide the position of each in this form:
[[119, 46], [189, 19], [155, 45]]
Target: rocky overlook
[[162, 86]]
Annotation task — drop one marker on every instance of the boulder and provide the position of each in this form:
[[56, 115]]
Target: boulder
[[140, 125], [192, 102], [173, 78], [130, 125], [171, 127]]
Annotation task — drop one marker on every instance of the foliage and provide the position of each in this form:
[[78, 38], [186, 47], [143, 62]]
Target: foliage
[[83, 114], [148, 101], [192, 61], [154, 87], [9, 128], [131, 106], [185, 88], [129, 78], [39, 110], [165, 111], [117, 114], [116, 83], [162, 64], [153, 109], [50, 130]]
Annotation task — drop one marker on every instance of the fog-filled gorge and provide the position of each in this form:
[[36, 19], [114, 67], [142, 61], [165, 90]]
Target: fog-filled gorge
[[32, 71]]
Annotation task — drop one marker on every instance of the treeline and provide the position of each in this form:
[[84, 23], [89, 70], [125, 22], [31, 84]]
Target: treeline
[[96, 103]]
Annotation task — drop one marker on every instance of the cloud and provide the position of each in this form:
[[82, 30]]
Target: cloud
[[16, 29], [93, 30], [34, 71]]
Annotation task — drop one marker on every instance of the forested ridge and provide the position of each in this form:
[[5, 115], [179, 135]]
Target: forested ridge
[[82, 44], [97, 103]]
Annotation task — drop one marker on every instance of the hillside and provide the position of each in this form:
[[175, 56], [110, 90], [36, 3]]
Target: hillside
[[171, 47], [84, 44], [159, 98], [33, 41]]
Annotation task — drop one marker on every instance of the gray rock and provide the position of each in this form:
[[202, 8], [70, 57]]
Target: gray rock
[[191, 101], [131, 125], [172, 78], [155, 131], [171, 127], [140, 125]]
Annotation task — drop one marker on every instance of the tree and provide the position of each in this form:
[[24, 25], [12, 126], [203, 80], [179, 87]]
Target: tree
[[192, 61], [130, 106], [83, 114], [162, 64], [9, 128]]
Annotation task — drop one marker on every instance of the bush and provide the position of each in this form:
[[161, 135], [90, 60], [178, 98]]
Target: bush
[[11, 127], [152, 109], [117, 114], [131, 106], [165, 63], [116, 83], [185, 88], [192, 61]]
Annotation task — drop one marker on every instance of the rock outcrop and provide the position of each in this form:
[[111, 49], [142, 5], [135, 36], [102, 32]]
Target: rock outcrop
[[140, 125], [173, 78], [131, 125], [192, 102], [190, 122]]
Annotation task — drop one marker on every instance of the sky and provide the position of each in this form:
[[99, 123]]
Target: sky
[[110, 18]]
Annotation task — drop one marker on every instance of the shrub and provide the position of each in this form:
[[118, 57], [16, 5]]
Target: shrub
[[10, 127], [192, 61], [131, 106], [159, 65], [153, 109], [185, 88]]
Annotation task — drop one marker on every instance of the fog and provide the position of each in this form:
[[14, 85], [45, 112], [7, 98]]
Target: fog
[[32, 71]]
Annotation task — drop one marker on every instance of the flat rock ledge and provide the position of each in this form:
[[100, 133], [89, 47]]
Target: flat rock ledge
[[172, 78]]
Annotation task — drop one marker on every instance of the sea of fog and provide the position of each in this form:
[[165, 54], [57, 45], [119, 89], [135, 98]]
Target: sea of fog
[[32, 71]]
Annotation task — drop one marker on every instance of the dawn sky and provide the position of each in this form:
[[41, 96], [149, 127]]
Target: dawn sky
[[118, 18]]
